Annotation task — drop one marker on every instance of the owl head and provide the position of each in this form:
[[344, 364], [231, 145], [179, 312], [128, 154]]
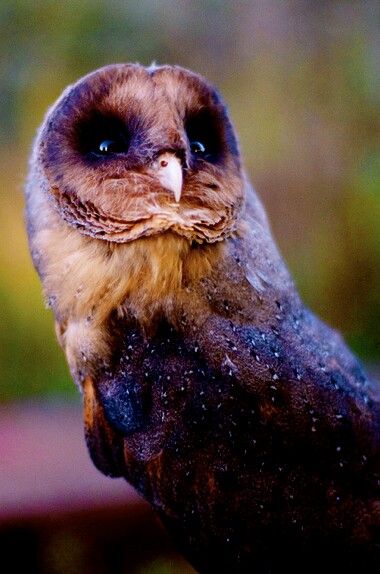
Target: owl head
[[134, 184], [130, 152]]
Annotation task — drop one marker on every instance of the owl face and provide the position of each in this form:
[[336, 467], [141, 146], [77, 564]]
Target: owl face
[[129, 152]]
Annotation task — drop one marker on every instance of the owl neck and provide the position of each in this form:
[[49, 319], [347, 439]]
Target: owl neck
[[168, 277], [161, 273]]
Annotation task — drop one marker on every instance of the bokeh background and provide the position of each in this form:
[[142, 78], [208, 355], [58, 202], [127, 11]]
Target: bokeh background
[[302, 81]]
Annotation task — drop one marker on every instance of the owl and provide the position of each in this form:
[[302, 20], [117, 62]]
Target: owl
[[244, 420]]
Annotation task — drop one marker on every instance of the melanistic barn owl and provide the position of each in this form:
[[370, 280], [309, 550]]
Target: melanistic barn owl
[[243, 419]]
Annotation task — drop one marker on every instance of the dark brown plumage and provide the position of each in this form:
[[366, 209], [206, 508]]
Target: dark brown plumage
[[244, 420]]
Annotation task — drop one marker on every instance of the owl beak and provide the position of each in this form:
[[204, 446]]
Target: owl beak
[[169, 173]]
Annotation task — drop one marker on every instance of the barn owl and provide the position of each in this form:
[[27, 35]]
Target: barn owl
[[243, 419]]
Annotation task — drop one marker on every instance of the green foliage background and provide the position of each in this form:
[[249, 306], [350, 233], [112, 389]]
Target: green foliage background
[[302, 82]]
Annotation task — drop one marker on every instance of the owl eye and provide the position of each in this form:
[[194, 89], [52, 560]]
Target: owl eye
[[197, 148], [204, 135], [101, 136], [107, 147]]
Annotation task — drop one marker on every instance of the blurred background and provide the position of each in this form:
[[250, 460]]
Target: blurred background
[[302, 81]]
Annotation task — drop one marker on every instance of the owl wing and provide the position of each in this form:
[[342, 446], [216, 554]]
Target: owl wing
[[244, 434]]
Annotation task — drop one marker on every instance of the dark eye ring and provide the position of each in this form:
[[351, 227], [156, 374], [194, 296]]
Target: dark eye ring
[[197, 148]]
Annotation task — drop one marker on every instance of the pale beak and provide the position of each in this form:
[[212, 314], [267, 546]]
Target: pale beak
[[168, 169]]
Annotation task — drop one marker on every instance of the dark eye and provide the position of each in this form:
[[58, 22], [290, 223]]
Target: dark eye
[[102, 136], [107, 147], [197, 148], [204, 134]]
